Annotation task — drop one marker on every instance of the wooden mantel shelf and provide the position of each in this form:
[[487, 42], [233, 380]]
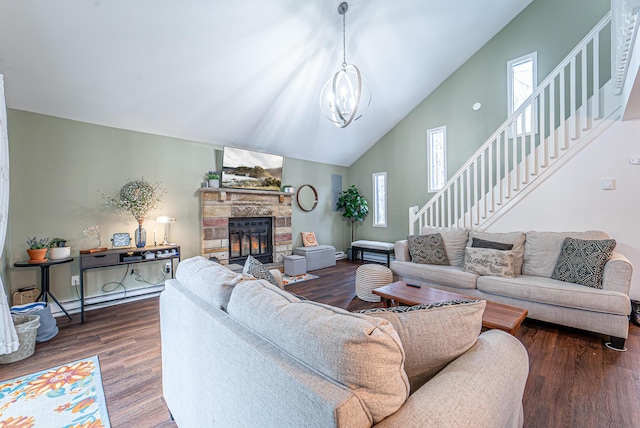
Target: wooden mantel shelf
[[235, 190]]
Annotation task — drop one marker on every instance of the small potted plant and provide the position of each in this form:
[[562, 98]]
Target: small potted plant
[[58, 249], [214, 179], [37, 249]]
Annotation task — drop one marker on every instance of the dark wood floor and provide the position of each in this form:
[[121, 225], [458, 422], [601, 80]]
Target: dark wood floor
[[574, 381]]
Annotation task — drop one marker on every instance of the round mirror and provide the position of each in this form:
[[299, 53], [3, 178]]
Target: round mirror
[[307, 197]]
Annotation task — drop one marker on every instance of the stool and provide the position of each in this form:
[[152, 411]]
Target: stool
[[371, 276], [295, 265], [318, 256]]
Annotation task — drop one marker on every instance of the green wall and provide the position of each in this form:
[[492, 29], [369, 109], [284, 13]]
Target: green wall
[[550, 27], [58, 167]]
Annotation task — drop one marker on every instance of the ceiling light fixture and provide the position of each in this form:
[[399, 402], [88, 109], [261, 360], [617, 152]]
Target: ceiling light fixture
[[346, 96]]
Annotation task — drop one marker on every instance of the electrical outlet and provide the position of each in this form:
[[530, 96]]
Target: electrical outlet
[[167, 267], [75, 280]]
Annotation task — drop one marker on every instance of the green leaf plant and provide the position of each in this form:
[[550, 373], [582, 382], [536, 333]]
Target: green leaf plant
[[354, 207]]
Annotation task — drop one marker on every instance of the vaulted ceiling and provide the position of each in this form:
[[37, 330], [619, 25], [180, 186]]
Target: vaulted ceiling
[[241, 73]]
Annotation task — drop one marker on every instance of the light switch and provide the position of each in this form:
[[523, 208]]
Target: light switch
[[608, 184]]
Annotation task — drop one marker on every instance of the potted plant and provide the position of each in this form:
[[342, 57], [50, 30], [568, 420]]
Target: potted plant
[[214, 179], [58, 249], [37, 249], [354, 207]]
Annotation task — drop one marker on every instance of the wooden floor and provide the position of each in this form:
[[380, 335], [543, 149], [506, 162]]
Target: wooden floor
[[574, 381]]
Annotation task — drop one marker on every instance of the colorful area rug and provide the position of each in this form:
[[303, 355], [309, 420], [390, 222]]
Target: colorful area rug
[[67, 396], [288, 280]]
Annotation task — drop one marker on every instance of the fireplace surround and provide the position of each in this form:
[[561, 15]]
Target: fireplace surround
[[220, 205]]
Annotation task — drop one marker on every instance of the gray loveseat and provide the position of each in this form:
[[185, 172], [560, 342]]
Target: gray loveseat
[[240, 352], [603, 311]]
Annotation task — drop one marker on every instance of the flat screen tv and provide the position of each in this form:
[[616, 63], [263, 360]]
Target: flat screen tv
[[248, 169]]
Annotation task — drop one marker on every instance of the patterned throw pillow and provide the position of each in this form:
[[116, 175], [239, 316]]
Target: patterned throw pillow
[[428, 249], [309, 239], [433, 335], [487, 261], [258, 270], [582, 261]]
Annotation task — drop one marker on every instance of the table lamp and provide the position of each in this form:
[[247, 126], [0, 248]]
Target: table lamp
[[167, 224]]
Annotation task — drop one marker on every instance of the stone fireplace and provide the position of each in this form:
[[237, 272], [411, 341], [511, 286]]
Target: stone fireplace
[[218, 206]]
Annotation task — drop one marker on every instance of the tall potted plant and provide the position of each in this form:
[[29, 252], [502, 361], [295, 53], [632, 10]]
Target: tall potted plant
[[354, 207]]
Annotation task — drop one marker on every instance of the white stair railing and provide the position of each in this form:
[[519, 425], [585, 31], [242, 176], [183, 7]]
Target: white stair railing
[[565, 109]]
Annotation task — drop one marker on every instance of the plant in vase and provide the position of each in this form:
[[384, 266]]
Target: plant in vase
[[58, 249], [354, 207], [138, 198], [214, 179], [37, 249]]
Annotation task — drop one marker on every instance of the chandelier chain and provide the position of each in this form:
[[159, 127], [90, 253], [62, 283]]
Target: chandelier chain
[[344, 42]]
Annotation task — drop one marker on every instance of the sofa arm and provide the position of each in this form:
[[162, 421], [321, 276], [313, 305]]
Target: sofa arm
[[481, 388], [401, 251], [278, 276], [617, 274]]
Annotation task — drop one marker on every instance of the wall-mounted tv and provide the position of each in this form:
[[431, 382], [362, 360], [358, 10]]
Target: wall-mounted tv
[[248, 169]]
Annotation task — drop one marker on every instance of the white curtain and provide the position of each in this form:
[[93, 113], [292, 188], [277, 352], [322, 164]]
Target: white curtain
[[8, 337]]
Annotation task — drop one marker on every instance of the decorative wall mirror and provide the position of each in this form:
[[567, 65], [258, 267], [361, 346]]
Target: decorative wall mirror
[[307, 197]]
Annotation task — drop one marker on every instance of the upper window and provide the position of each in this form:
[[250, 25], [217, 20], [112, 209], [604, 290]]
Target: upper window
[[522, 80], [437, 157], [380, 199]]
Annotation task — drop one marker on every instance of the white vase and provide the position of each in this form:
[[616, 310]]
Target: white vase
[[57, 253], [214, 183]]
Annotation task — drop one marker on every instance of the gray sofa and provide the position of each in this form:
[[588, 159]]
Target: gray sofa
[[239, 352], [603, 311]]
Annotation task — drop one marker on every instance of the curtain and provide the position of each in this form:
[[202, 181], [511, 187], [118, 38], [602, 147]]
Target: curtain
[[8, 337]]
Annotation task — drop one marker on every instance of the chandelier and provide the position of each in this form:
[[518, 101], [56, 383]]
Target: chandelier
[[346, 96]]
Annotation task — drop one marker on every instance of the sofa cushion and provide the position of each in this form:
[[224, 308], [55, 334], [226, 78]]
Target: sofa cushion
[[514, 238], [452, 276], [433, 335], [481, 243], [362, 353], [487, 261], [454, 242], [209, 280], [582, 261], [428, 249], [309, 239], [542, 249], [253, 267], [556, 293]]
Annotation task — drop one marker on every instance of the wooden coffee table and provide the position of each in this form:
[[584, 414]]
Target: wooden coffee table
[[496, 315]]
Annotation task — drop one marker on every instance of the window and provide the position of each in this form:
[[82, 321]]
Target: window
[[437, 158], [522, 80], [379, 199]]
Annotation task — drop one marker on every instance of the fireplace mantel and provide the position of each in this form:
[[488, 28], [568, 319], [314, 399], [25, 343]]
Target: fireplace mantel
[[220, 204]]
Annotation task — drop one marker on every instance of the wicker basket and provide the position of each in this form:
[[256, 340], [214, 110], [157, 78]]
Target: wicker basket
[[27, 329], [371, 276]]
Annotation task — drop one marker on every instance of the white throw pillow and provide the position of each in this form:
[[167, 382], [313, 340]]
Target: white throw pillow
[[487, 261]]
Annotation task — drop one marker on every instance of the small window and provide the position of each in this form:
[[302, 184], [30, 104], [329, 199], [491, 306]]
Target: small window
[[379, 199], [437, 158], [522, 80]]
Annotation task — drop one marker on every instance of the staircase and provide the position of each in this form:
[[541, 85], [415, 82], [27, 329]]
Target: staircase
[[568, 110]]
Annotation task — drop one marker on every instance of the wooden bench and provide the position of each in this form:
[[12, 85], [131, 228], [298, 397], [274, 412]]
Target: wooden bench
[[373, 247]]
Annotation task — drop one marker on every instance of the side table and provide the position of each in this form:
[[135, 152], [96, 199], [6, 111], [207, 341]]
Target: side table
[[44, 278]]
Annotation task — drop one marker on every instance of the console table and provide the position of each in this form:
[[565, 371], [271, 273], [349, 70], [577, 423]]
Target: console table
[[44, 278], [123, 256]]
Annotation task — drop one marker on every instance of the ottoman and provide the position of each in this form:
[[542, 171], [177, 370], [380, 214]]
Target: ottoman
[[369, 277], [295, 265], [318, 256]]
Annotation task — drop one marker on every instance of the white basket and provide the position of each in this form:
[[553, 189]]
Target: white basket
[[27, 329], [371, 276]]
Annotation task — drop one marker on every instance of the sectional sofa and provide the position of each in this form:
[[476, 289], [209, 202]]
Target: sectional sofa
[[241, 352], [535, 255]]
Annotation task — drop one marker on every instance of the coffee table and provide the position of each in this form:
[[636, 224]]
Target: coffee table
[[496, 315]]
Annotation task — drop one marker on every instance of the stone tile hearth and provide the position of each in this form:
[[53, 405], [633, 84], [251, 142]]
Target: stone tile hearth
[[218, 205]]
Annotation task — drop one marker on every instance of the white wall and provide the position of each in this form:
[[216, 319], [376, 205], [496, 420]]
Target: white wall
[[573, 199]]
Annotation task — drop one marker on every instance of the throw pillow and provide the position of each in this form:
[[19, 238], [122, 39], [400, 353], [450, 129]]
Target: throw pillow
[[517, 239], [258, 270], [428, 249], [487, 261], [433, 335], [582, 261], [455, 240], [309, 239], [482, 243]]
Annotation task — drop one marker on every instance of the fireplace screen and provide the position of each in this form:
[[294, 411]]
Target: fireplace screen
[[250, 236]]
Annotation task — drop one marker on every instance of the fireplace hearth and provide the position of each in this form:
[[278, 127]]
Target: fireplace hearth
[[250, 236]]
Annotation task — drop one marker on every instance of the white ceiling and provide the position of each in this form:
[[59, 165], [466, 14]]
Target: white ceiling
[[241, 73]]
